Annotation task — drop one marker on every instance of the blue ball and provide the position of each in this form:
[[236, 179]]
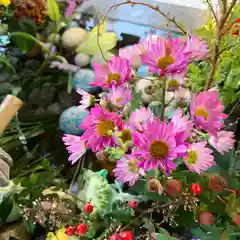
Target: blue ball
[[70, 120], [82, 78], [143, 72]]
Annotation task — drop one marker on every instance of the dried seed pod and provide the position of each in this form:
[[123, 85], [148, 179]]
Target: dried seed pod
[[206, 218], [173, 187], [154, 185], [217, 183]]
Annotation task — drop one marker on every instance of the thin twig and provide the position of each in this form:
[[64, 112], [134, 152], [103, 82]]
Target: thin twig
[[132, 3], [212, 10], [215, 58]]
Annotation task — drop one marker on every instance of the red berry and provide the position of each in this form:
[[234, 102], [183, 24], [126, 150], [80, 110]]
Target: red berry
[[88, 208], [115, 237], [81, 229], [206, 218], [196, 188], [132, 204], [173, 188], [236, 219], [126, 235], [70, 231]]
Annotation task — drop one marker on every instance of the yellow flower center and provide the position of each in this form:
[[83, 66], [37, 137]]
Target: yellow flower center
[[173, 84], [113, 77], [118, 100], [163, 62], [192, 157], [126, 135], [201, 112], [105, 127], [132, 166], [158, 149], [5, 2]]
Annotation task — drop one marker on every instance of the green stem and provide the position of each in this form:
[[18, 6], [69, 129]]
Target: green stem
[[163, 98], [75, 175]]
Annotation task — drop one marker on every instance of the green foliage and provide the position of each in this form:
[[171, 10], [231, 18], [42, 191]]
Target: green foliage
[[95, 190], [27, 28], [53, 10], [198, 74], [136, 101], [7, 63], [228, 72], [6, 207], [156, 108]]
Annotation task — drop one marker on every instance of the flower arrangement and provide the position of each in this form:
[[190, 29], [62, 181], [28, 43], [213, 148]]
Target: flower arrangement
[[168, 153]]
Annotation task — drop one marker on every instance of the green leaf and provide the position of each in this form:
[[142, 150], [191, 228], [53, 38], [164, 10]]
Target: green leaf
[[13, 238], [136, 100], [26, 27], [156, 108], [5, 209], [53, 10], [7, 63], [30, 226]]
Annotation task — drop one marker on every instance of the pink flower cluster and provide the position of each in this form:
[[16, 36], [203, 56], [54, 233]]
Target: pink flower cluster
[[148, 142]]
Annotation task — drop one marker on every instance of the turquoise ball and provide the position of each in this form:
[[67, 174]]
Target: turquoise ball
[[143, 72], [70, 120], [82, 78]]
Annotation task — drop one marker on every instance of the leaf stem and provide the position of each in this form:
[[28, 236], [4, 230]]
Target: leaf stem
[[163, 98]]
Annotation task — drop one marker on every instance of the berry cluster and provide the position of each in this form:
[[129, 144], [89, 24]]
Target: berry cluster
[[122, 236], [81, 228]]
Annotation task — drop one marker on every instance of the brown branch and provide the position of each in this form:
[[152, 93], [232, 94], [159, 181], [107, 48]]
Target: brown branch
[[132, 3], [220, 27], [212, 10]]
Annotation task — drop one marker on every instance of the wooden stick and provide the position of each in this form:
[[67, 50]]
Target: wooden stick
[[8, 109]]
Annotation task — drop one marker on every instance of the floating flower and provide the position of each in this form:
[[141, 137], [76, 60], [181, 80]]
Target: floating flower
[[75, 147], [157, 146], [198, 48], [206, 111], [131, 53], [116, 72], [223, 141], [140, 118], [166, 56], [87, 99], [100, 126], [175, 81], [119, 97], [5, 2], [127, 170], [199, 158]]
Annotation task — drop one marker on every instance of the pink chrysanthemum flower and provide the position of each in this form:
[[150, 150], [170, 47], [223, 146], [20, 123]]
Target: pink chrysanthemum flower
[[119, 97], [99, 127], [182, 126], [131, 53], [75, 147], [206, 111], [87, 99], [223, 142], [198, 48], [166, 56], [140, 118], [72, 5], [116, 72], [199, 158], [157, 146], [127, 170]]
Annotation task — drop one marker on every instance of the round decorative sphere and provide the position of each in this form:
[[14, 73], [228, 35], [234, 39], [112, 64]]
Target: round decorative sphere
[[82, 78], [143, 71], [82, 59], [73, 37], [70, 120]]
